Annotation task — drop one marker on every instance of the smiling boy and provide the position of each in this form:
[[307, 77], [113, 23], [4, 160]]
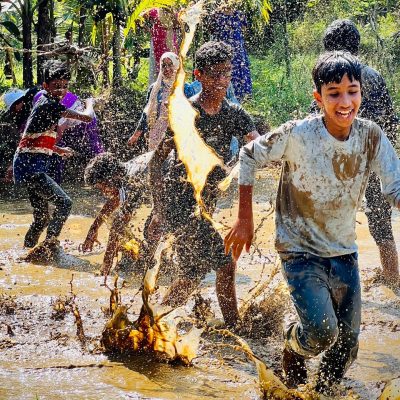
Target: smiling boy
[[326, 164]]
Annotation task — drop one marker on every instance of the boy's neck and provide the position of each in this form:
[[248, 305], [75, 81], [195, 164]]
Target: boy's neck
[[210, 103], [341, 135]]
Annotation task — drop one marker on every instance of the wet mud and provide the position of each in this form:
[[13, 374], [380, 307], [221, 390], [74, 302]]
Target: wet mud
[[42, 355]]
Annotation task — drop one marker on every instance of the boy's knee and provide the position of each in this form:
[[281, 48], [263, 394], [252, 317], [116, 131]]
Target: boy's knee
[[323, 336], [317, 338], [64, 203]]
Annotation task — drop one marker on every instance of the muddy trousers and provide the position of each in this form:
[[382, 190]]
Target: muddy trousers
[[43, 190], [327, 295]]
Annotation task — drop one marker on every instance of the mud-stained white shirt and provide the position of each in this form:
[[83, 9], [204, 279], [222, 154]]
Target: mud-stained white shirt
[[322, 182]]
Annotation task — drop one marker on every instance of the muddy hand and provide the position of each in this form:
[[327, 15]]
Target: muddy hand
[[88, 244], [241, 235]]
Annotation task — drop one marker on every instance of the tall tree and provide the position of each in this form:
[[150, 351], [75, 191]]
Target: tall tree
[[44, 33]]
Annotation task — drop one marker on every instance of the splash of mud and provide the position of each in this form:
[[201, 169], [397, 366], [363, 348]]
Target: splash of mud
[[198, 158], [391, 390], [272, 387], [153, 332]]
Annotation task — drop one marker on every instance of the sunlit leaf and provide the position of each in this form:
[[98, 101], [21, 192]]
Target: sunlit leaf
[[142, 7]]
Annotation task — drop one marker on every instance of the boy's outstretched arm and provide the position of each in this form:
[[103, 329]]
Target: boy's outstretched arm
[[109, 207], [258, 153], [116, 232], [118, 227], [84, 116], [242, 232]]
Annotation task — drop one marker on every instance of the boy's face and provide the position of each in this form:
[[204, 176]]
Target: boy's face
[[216, 78], [56, 88], [340, 103]]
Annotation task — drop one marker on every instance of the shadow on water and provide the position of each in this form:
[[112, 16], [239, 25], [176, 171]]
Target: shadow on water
[[206, 381], [68, 261]]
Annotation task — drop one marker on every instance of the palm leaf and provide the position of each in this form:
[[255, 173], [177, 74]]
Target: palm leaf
[[12, 28], [142, 7]]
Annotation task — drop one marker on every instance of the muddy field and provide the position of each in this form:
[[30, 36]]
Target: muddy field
[[41, 356]]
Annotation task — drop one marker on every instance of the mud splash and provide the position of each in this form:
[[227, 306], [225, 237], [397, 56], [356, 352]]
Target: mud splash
[[153, 332]]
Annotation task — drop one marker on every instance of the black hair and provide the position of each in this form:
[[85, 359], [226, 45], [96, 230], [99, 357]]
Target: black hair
[[260, 123], [55, 69], [211, 53], [342, 34], [332, 66], [104, 168]]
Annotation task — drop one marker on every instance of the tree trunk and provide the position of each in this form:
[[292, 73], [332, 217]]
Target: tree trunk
[[26, 16], [116, 45], [81, 28], [53, 33], [10, 65], [104, 48], [44, 29]]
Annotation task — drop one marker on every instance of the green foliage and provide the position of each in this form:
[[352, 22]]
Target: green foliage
[[276, 97], [142, 6], [12, 28]]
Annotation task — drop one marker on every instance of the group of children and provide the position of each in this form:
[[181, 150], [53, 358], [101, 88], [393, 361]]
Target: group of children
[[327, 160]]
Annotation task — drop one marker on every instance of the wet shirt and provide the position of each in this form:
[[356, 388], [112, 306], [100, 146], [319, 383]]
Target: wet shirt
[[217, 131], [323, 181], [40, 131], [136, 188]]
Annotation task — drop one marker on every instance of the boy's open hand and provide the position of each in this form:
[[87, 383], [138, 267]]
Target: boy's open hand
[[241, 235]]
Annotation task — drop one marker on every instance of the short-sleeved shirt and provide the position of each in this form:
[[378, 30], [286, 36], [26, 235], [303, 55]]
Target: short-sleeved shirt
[[40, 131], [217, 131]]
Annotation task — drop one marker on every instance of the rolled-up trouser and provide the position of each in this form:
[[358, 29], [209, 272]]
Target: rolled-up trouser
[[379, 212], [327, 295], [43, 190]]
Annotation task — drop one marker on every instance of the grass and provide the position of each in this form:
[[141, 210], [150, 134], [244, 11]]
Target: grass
[[277, 97]]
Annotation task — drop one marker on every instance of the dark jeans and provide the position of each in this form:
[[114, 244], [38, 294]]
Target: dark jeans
[[43, 190], [327, 295]]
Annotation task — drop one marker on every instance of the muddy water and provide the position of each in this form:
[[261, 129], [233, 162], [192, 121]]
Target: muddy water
[[41, 356]]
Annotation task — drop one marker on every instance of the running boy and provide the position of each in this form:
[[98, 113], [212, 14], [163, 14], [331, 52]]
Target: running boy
[[124, 185], [377, 106], [327, 160], [199, 248], [34, 152]]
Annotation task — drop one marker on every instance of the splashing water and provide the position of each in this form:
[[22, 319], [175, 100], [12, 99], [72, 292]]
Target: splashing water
[[153, 331], [198, 158], [391, 390]]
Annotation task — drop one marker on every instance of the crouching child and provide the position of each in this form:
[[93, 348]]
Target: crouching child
[[327, 160], [124, 185]]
